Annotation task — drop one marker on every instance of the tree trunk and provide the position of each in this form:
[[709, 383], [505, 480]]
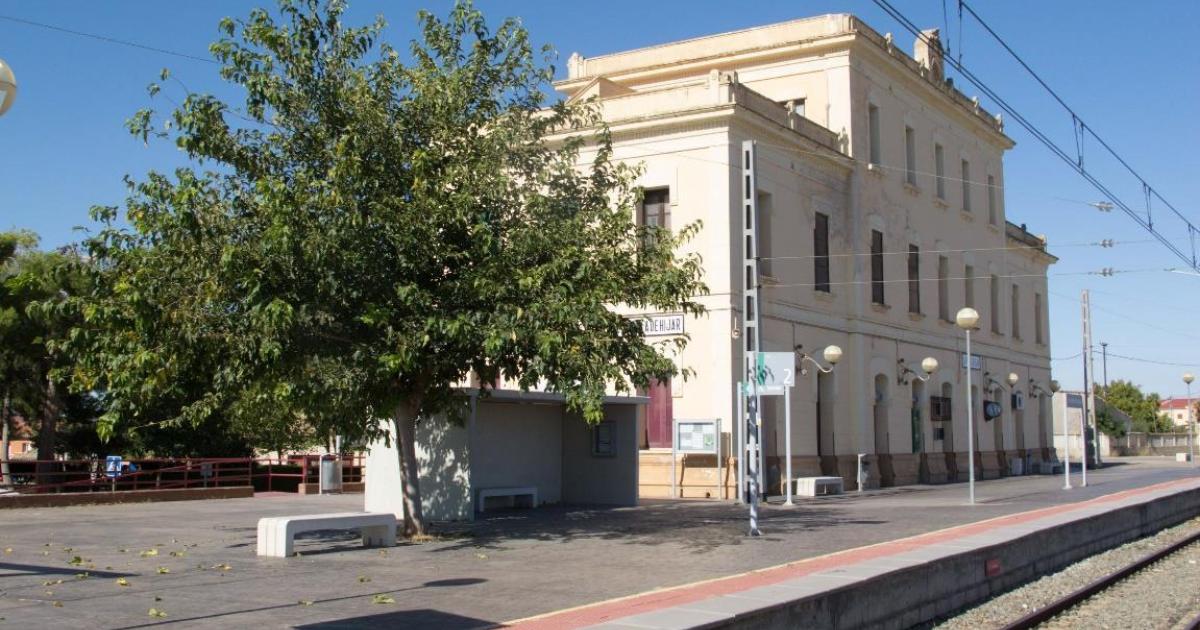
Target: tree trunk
[[5, 441], [46, 432], [406, 449]]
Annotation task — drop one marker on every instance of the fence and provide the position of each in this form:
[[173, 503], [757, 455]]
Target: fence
[[1152, 443], [89, 475]]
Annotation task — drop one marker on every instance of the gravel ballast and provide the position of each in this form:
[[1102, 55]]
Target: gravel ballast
[[1164, 595]]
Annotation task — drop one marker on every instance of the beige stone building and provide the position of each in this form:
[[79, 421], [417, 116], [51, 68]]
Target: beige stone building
[[880, 190]]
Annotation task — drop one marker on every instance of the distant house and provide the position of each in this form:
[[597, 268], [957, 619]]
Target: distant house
[[20, 444], [1175, 410]]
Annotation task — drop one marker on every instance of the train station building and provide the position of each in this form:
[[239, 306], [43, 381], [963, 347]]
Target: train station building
[[881, 213]]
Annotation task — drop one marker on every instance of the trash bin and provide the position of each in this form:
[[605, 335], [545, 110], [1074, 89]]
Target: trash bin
[[330, 474]]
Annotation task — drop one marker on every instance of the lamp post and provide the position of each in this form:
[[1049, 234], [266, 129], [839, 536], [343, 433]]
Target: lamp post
[[929, 365], [832, 355], [8, 87], [1188, 378], [966, 320]]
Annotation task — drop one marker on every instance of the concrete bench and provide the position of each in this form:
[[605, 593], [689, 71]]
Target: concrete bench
[[487, 493], [277, 535], [818, 486]]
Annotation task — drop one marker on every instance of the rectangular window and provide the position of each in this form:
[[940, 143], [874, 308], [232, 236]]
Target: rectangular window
[[910, 155], [873, 130], [992, 210], [940, 409], [966, 185], [821, 253], [969, 286], [765, 268], [877, 267], [939, 167], [914, 279], [604, 439], [1037, 318], [656, 210], [1016, 312], [994, 307], [944, 288]]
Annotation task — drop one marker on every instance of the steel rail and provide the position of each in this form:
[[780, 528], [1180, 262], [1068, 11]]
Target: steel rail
[[1071, 600]]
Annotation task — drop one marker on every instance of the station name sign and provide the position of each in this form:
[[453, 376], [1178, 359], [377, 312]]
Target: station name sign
[[662, 325]]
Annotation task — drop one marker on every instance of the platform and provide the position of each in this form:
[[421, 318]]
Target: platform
[[514, 564]]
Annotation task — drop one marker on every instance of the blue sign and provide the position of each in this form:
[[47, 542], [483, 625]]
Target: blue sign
[[112, 466]]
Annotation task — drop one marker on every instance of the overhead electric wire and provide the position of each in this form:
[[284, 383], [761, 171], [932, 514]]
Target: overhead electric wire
[[105, 38], [1075, 164]]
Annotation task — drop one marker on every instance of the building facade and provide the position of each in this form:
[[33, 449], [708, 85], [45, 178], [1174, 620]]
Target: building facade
[[881, 213], [1176, 410]]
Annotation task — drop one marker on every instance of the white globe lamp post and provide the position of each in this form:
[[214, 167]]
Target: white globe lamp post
[[966, 320], [8, 87]]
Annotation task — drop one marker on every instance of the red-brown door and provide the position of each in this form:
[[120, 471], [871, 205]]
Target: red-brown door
[[659, 415]]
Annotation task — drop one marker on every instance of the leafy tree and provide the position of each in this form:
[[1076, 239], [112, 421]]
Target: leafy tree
[[35, 287], [371, 233], [1141, 407]]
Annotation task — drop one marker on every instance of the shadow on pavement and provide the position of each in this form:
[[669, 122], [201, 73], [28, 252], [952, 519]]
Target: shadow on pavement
[[407, 619], [37, 569], [422, 618], [699, 526]]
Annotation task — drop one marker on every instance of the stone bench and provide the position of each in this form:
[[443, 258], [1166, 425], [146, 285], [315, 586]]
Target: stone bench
[[277, 534], [818, 486], [487, 493]]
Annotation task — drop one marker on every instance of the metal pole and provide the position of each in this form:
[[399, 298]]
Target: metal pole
[[674, 457], [1191, 438], [787, 437], [1066, 446], [741, 442], [752, 344], [720, 467], [1088, 402], [1104, 359], [970, 426]]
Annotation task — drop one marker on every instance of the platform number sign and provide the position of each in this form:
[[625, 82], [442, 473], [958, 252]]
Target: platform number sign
[[775, 372]]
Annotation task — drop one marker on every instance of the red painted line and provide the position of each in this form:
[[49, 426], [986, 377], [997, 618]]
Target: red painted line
[[609, 610]]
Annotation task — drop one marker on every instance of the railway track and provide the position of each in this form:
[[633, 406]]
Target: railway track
[[1076, 598]]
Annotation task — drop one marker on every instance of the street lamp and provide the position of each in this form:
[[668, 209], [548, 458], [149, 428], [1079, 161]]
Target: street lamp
[[966, 320], [8, 87], [832, 354], [1188, 378]]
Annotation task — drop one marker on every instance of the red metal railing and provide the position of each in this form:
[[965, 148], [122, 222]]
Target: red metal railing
[[89, 475]]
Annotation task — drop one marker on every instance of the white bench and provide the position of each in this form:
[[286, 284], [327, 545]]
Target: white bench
[[277, 535], [487, 493], [818, 486]]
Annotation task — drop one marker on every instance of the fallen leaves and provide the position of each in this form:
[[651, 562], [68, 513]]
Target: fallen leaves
[[362, 579], [162, 570], [154, 612], [148, 553], [122, 582], [75, 561], [305, 602], [383, 599], [51, 582]]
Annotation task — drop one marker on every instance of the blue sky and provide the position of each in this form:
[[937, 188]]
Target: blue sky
[[1130, 70]]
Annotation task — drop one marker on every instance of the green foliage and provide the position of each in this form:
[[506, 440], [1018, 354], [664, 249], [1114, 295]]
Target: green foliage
[[1141, 407], [1108, 424], [369, 232], [35, 288]]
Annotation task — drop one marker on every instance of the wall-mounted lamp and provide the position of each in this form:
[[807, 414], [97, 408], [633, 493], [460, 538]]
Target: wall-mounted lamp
[[929, 365], [832, 355]]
